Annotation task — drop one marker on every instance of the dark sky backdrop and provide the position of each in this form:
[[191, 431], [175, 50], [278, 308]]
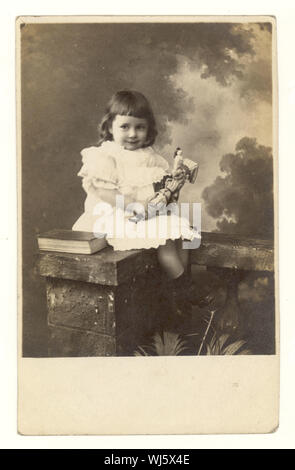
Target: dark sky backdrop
[[209, 86]]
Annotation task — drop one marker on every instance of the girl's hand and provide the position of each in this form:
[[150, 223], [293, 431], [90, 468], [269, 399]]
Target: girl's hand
[[141, 211]]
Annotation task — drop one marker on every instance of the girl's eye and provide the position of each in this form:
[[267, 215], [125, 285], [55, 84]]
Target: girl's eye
[[124, 126]]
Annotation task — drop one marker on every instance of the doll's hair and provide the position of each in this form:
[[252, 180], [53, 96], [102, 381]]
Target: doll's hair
[[128, 103], [175, 153]]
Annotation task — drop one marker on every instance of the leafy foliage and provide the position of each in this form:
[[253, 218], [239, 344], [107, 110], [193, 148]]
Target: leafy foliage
[[167, 344], [171, 344], [220, 346]]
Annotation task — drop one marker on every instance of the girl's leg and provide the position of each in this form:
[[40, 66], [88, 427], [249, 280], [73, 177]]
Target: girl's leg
[[174, 261], [169, 259], [174, 294], [182, 253]]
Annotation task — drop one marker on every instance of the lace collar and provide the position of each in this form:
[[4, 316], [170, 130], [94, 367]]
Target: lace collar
[[117, 150]]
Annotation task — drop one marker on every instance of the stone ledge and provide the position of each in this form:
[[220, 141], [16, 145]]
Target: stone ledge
[[113, 268]]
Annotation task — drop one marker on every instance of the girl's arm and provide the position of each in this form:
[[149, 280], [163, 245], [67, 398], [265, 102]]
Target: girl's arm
[[109, 196]]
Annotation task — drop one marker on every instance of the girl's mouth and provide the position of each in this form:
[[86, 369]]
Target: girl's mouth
[[131, 144]]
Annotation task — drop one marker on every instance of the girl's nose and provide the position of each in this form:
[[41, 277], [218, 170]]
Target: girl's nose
[[132, 132]]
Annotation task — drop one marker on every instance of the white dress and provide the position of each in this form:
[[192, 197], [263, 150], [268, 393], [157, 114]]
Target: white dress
[[128, 173]]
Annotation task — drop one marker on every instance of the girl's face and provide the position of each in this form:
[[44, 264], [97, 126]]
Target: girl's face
[[129, 132]]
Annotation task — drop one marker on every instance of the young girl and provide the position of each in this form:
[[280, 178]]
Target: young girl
[[125, 164]]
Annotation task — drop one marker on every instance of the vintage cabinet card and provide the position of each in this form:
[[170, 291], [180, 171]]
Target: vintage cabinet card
[[147, 171]]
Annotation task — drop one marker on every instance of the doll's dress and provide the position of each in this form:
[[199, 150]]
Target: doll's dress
[[131, 174]]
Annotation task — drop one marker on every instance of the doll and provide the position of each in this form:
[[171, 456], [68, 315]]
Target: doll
[[171, 185]]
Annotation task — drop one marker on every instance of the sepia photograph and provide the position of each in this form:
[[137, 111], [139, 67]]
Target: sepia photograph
[[147, 204], [147, 188]]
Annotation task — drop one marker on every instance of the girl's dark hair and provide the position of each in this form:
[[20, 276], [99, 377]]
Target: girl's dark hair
[[128, 103]]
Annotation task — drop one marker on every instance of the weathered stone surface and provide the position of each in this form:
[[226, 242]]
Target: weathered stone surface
[[81, 305], [228, 251], [71, 342], [99, 320], [107, 267]]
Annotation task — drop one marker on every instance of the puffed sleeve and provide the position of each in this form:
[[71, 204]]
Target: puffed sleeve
[[98, 169]]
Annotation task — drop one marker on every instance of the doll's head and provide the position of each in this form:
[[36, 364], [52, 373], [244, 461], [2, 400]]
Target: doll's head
[[178, 152], [129, 112]]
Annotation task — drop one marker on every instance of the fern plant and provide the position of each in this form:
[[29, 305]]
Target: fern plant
[[169, 344], [220, 346], [212, 342]]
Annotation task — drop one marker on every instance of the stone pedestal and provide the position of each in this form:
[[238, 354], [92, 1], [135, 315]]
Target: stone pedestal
[[102, 304]]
